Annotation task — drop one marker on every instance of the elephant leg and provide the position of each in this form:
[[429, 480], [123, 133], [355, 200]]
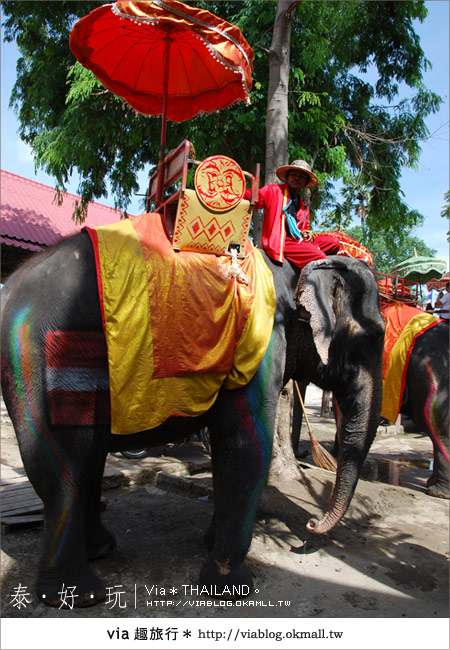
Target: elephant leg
[[427, 401], [59, 466], [209, 537], [430, 413], [297, 416], [63, 568], [99, 542], [437, 427], [428, 417], [57, 461], [438, 482], [241, 443]]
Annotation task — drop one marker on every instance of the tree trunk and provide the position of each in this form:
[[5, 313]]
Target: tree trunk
[[325, 409], [277, 117], [284, 464]]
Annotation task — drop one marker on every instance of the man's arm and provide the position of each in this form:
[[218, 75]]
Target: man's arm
[[261, 200]]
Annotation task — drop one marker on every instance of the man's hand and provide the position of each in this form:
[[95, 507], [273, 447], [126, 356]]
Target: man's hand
[[308, 236]]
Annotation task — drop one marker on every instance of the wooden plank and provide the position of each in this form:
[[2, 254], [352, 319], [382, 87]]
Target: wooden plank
[[18, 501], [23, 509], [12, 476], [23, 520], [15, 480], [20, 505], [18, 497], [9, 523], [15, 487], [17, 504]]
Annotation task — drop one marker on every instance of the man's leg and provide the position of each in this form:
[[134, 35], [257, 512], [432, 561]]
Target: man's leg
[[301, 252], [327, 243]]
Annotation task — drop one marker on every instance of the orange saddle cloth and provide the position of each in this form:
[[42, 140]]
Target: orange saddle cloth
[[177, 325], [404, 324]]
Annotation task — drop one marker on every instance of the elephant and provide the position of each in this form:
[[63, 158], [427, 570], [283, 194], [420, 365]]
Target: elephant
[[426, 400], [339, 345]]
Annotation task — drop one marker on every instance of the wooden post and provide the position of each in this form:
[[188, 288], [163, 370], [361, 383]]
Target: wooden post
[[325, 408]]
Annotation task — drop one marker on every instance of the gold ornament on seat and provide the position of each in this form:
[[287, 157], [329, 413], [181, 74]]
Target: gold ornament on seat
[[219, 183], [214, 217]]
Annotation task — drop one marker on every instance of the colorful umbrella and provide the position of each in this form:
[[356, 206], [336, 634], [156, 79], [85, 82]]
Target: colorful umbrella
[[165, 58], [420, 269]]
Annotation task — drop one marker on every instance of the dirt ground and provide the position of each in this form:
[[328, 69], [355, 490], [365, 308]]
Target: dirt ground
[[388, 558]]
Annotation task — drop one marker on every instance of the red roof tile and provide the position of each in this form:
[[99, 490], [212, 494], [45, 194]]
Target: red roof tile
[[30, 217]]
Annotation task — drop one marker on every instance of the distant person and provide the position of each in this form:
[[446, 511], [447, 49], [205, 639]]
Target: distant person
[[442, 304], [285, 229]]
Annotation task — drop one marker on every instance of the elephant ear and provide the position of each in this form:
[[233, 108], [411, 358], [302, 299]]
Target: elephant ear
[[315, 293]]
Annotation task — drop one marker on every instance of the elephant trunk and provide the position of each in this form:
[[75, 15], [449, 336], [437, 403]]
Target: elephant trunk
[[357, 429], [346, 480]]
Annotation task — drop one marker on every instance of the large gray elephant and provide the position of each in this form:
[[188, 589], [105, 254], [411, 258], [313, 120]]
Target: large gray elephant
[[426, 400], [339, 348]]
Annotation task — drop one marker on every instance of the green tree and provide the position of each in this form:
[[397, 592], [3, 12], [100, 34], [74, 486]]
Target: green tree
[[350, 130], [389, 248]]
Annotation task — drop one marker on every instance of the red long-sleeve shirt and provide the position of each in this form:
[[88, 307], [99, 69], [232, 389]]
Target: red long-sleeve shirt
[[272, 199]]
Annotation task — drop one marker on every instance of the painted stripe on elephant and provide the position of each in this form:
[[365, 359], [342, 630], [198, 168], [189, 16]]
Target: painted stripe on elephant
[[80, 379], [77, 378]]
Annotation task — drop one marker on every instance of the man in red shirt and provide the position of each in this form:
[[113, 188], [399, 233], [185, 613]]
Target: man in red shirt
[[285, 230]]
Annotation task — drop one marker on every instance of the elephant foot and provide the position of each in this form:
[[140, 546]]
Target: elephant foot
[[99, 543], [221, 580], [77, 588], [438, 490]]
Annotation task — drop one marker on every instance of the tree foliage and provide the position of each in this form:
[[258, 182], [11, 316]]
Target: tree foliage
[[388, 247], [351, 130]]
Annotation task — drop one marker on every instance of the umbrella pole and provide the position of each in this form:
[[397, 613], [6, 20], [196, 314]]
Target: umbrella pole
[[162, 151]]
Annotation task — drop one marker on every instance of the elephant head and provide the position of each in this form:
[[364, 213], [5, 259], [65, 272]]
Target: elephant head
[[347, 331]]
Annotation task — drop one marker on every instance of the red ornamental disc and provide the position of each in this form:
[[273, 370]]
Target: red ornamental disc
[[219, 183]]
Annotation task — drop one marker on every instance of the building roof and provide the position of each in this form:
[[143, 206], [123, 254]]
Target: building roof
[[31, 218]]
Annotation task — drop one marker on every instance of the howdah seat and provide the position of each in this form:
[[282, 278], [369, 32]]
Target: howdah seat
[[213, 216]]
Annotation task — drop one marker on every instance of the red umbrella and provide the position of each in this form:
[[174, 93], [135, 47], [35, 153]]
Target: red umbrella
[[165, 58]]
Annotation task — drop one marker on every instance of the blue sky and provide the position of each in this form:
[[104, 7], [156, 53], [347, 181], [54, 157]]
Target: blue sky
[[424, 188]]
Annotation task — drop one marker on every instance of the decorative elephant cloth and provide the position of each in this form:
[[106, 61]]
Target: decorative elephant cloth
[[349, 247], [404, 324], [194, 327]]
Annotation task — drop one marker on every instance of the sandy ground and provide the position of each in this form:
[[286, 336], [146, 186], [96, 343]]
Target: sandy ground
[[388, 558]]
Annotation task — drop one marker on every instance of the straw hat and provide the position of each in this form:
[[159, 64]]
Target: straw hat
[[298, 165]]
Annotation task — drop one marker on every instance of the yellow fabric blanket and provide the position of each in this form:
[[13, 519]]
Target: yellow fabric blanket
[[177, 325], [403, 325]]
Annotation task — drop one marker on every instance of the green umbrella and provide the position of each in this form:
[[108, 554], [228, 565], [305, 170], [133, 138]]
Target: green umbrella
[[420, 269]]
